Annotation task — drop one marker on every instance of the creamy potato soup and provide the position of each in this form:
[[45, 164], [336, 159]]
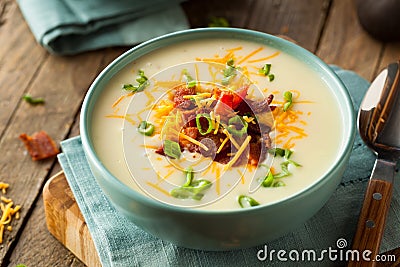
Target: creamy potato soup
[[217, 124]]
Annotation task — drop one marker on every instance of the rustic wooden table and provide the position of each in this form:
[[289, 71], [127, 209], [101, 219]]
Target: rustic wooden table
[[328, 28]]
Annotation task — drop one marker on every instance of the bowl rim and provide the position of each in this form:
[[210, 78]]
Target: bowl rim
[[348, 136]]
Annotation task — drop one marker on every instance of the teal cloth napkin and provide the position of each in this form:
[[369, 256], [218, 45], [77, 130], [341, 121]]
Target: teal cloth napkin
[[73, 26], [119, 242]]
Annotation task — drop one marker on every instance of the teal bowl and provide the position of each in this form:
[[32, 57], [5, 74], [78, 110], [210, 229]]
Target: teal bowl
[[219, 230]]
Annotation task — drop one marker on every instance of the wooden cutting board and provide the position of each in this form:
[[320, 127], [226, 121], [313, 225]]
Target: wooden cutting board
[[65, 221]]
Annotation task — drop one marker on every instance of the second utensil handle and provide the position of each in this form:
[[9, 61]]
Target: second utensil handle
[[372, 220]]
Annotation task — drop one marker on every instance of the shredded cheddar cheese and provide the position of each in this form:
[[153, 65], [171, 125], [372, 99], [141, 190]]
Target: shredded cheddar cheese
[[288, 124], [222, 144], [225, 131], [238, 153], [250, 55], [9, 211], [265, 58]]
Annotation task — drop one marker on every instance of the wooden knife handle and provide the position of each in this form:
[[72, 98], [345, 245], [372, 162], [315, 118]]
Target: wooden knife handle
[[371, 222]]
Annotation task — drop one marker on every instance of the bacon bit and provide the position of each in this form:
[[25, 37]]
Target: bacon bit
[[39, 145]]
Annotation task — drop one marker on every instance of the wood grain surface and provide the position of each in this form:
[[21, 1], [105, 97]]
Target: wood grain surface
[[328, 28]]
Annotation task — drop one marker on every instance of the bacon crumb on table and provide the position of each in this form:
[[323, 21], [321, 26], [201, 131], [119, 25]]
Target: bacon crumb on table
[[40, 145]]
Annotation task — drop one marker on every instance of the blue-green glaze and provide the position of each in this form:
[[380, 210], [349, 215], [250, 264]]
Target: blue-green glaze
[[219, 230]]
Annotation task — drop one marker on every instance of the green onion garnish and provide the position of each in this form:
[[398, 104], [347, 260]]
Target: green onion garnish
[[33, 100], [288, 98], [146, 128], [191, 188], [265, 69], [190, 82], [278, 184], [246, 201], [285, 168], [271, 77], [198, 123], [269, 179], [277, 151], [235, 123], [172, 149], [229, 72], [286, 153], [142, 81], [189, 176]]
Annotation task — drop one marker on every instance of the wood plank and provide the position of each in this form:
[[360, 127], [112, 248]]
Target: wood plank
[[19, 67], [299, 20], [38, 248], [346, 44], [61, 83], [28, 244]]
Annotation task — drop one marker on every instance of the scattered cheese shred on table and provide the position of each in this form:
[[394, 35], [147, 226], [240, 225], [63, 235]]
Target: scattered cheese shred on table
[[8, 211]]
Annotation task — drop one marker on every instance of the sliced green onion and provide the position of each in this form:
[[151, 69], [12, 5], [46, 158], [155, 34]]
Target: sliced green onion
[[229, 72], [271, 77], [285, 168], [246, 201], [288, 98], [198, 123], [146, 128], [172, 149], [288, 153], [277, 151], [189, 176], [190, 82], [285, 153], [237, 121], [265, 69], [278, 184], [194, 191], [269, 179], [142, 81], [33, 100]]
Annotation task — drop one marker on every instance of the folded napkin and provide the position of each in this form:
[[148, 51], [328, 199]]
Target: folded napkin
[[119, 242], [73, 26]]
